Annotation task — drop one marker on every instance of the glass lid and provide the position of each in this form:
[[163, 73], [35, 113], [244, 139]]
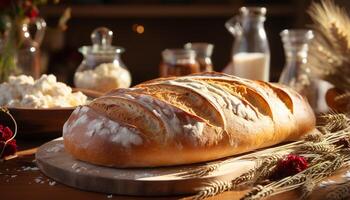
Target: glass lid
[[101, 43]]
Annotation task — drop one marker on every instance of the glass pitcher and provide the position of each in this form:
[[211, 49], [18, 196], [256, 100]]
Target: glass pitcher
[[296, 45], [102, 68], [28, 53], [250, 52], [296, 73]]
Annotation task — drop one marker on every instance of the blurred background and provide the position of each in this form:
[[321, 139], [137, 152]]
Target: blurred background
[[146, 27]]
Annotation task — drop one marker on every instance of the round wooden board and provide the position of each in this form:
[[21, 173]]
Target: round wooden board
[[59, 165]]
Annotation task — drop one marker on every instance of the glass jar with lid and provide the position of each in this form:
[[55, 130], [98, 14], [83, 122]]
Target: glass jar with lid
[[178, 62], [102, 68], [203, 54]]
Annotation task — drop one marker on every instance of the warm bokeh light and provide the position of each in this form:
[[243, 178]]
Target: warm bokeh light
[[138, 28]]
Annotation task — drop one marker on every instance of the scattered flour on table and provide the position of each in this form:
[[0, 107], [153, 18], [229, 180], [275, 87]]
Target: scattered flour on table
[[38, 179], [326, 183], [56, 148], [41, 180], [28, 168], [52, 183], [78, 168]]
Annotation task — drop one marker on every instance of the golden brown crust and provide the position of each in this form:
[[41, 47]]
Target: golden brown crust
[[161, 123]]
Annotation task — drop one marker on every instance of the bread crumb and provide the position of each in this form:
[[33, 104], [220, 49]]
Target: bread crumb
[[52, 183]]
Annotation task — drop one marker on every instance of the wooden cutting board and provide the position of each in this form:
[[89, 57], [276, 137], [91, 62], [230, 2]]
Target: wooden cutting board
[[56, 163]]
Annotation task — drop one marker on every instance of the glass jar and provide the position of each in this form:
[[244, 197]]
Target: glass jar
[[203, 55], [102, 68], [296, 72], [250, 52], [178, 62]]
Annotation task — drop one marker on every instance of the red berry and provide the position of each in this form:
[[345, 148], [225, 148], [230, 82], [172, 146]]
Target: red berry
[[288, 166], [11, 146], [5, 133]]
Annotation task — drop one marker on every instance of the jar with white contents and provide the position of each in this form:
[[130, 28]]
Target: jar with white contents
[[102, 68]]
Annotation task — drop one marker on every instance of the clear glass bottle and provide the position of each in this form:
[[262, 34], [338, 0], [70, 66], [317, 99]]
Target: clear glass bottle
[[203, 55], [102, 68], [178, 62], [250, 52], [296, 44], [28, 53], [296, 73]]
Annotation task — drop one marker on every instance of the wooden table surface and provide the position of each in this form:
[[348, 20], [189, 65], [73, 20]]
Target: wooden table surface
[[21, 179]]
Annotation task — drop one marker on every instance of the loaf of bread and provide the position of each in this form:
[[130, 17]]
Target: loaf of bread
[[183, 120]]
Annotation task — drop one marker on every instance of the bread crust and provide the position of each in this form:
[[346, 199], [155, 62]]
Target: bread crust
[[139, 127]]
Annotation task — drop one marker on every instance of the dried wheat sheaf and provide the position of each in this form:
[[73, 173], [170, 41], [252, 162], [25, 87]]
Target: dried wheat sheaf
[[323, 153], [329, 52]]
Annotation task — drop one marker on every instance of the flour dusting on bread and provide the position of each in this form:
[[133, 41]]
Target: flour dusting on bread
[[184, 120]]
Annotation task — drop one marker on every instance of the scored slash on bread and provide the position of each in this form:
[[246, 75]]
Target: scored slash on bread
[[189, 119]]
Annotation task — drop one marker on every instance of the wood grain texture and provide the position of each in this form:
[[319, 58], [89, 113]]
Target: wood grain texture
[[59, 165]]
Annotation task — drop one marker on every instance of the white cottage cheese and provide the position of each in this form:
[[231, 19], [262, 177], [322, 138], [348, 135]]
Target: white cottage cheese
[[46, 92]]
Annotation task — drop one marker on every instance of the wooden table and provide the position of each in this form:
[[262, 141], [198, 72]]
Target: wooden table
[[21, 179]]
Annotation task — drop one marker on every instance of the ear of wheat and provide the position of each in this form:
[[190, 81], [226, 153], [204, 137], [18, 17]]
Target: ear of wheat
[[330, 50], [212, 189]]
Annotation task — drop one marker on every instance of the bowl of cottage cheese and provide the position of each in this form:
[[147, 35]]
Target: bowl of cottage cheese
[[39, 106]]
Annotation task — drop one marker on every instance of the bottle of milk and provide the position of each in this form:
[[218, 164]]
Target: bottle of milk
[[250, 53]]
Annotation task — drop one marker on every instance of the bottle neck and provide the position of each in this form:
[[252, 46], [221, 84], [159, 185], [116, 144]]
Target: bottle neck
[[296, 57], [298, 53], [253, 23]]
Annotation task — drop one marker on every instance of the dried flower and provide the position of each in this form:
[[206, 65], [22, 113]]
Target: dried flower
[[5, 133], [290, 165], [8, 145]]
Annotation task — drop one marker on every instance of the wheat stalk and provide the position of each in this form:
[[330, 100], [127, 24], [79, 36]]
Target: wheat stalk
[[202, 171], [318, 148], [315, 173], [335, 121], [243, 179], [212, 189], [323, 156], [307, 188], [314, 136], [328, 55], [343, 97]]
